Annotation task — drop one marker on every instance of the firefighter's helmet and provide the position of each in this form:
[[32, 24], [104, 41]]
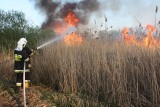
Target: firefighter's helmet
[[20, 45], [23, 40]]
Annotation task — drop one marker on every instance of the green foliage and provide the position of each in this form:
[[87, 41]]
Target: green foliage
[[13, 26]]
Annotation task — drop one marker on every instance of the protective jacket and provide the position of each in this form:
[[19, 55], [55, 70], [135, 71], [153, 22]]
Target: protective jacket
[[28, 53], [20, 57]]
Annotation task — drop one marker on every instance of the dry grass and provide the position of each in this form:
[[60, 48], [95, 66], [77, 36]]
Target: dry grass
[[113, 74], [6, 65]]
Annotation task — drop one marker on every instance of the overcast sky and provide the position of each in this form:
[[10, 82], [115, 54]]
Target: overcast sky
[[120, 13]]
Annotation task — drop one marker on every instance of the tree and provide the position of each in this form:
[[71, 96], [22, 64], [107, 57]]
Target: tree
[[13, 26]]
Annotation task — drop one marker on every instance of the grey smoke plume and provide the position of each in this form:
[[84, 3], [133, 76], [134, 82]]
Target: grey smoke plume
[[128, 12], [55, 10]]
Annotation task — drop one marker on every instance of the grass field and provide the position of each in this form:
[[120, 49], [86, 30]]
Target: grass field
[[111, 74]]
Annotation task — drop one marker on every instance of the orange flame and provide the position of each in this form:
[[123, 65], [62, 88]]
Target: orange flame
[[128, 38], [72, 19], [62, 26], [73, 39], [148, 41]]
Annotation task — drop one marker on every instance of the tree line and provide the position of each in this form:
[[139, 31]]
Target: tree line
[[14, 25]]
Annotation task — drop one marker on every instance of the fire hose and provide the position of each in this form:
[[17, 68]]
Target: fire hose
[[24, 90]]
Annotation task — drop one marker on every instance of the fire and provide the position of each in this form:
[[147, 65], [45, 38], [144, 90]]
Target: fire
[[73, 39], [61, 27], [148, 41], [129, 38], [72, 19]]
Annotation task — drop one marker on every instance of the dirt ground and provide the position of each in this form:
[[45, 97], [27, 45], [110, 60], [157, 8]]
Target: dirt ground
[[34, 95]]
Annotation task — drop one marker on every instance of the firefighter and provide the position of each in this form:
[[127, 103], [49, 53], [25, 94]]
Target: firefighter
[[20, 57], [29, 53]]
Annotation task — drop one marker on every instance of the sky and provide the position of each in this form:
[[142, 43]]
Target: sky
[[120, 13], [32, 14]]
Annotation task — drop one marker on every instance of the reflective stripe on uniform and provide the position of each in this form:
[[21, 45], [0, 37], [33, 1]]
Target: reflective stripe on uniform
[[17, 57], [18, 84], [21, 71]]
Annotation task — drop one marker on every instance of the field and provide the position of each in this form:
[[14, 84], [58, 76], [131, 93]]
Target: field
[[98, 73]]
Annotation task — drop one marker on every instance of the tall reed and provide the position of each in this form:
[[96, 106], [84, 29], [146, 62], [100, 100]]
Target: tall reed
[[114, 74]]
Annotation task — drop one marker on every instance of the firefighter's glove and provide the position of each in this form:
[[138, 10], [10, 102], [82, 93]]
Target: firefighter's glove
[[34, 51]]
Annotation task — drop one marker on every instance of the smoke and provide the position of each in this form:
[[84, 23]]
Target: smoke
[[126, 12], [49, 8], [113, 5], [55, 11]]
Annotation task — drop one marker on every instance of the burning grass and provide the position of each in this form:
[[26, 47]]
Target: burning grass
[[112, 74], [149, 40]]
